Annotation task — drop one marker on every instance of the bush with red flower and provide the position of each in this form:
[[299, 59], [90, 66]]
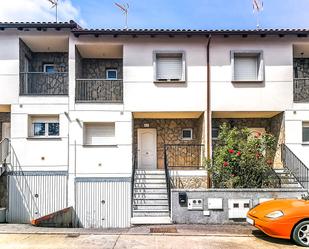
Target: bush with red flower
[[241, 159]]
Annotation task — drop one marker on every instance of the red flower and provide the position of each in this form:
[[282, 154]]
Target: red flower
[[233, 175], [225, 164], [257, 155], [258, 134], [238, 153], [231, 151]]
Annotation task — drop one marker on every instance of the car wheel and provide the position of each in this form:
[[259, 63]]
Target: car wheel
[[301, 234]]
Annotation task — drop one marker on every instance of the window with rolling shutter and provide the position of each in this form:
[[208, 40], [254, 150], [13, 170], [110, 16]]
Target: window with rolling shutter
[[99, 133], [169, 67], [247, 66]]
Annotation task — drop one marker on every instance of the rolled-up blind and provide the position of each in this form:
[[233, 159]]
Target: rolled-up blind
[[99, 133], [246, 68], [169, 66]]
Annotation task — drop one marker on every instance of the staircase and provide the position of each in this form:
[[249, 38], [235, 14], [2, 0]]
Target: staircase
[[288, 181], [150, 198]]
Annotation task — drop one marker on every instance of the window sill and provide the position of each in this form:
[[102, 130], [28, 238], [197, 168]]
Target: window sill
[[169, 81], [44, 138], [247, 81], [305, 143]]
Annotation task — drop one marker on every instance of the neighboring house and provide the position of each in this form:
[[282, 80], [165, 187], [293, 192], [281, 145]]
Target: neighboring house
[[85, 110]]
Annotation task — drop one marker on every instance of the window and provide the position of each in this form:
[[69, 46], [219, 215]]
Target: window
[[187, 134], [305, 132], [49, 68], [247, 66], [99, 133], [214, 133], [111, 74], [44, 126], [169, 67]]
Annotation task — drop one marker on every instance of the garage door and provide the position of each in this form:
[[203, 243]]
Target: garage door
[[103, 202], [35, 194]]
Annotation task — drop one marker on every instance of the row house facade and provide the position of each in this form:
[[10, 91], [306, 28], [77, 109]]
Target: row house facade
[[102, 120]]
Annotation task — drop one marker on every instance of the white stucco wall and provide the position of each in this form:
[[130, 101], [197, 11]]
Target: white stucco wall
[[9, 68], [274, 94], [293, 133]]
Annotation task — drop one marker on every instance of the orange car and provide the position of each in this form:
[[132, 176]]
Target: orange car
[[285, 219]]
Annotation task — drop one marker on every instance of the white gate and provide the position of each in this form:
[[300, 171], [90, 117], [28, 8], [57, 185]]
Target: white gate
[[35, 194], [103, 202]]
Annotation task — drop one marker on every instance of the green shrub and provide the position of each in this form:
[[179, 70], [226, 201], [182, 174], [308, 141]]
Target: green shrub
[[242, 160]]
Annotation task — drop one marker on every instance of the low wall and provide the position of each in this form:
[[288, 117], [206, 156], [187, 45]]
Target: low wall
[[228, 198]]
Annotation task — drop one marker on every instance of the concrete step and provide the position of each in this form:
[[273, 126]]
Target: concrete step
[[149, 172], [150, 185], [151, 208], [149, 176], [150, 213], [150, 191], [150, 180], [150, 202], [291, 185], [151, 220], [150, 197]]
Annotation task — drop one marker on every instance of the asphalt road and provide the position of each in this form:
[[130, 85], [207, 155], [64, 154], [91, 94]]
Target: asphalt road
[[137, 241]]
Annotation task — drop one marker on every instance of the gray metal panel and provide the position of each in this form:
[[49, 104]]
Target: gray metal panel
[[35, 195], [103, 203]]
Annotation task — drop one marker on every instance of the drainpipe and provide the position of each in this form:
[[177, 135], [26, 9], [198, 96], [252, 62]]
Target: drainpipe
[[208, 110]]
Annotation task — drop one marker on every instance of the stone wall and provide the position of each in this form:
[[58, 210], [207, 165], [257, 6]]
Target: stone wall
[[181, 214], [301, 86], [96, 68], [278, 130], [169, 131], [3, 190], [274, 125]]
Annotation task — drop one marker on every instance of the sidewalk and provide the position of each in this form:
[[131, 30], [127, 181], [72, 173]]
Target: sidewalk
[[182, 230]]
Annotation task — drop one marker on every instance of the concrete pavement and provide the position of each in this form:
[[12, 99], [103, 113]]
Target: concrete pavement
[[187, 237]]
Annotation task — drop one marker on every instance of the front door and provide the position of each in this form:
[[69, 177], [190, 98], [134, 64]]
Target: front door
[[6, 130], [147, 148]]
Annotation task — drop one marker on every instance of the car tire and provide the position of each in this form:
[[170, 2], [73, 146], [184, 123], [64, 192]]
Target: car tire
[[301, 234]]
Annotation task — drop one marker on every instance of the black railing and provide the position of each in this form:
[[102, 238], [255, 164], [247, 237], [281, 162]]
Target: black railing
[[42, 83], [297, 168], [167, 179], [301, 90], [99, 91], [187, 156], [134, 165]]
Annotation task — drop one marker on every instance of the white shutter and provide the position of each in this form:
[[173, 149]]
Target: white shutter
[[99, 133], [246, 68], [169, 66]]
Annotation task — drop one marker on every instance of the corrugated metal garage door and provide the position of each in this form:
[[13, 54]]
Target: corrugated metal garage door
[[35, 194], [103, 202]]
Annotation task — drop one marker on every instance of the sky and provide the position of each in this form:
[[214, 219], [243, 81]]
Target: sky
[[188, 14]]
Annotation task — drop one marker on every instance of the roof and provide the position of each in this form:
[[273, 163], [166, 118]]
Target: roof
[[39, 25], [77, 30], [190, 32]]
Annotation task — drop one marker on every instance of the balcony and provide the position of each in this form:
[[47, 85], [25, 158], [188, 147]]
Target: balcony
[[43, 66], [99, 91], [99, 70], [43, 83], [301, 73]]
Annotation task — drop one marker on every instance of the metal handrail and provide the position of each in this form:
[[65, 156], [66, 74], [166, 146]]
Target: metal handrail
[[168, 179], [132, 184], [296, 167]]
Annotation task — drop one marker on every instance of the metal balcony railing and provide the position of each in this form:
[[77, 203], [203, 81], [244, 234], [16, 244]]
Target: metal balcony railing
[[301, 90], [43, 83], [99, 91]]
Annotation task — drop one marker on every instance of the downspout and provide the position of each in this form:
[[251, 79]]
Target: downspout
[[208, 111]]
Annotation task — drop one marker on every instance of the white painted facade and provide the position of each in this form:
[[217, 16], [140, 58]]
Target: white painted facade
[[141, 95]]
